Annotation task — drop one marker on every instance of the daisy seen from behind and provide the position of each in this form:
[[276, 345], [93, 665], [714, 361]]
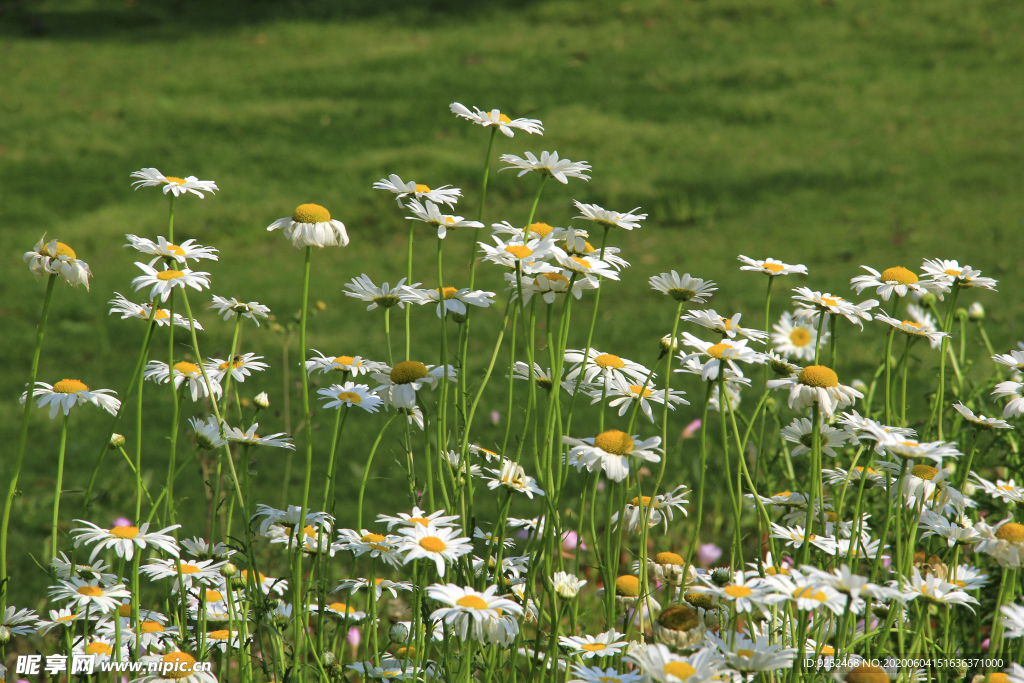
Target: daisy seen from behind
[[496, 120], [311, 225], [57, 258]]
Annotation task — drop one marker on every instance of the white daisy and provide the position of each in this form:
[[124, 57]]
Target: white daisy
[[380, 585], [1006, 491], [770, 266], [455, 300], [384, 296], [355, 365], [82, 594], [914, 329], [98, 569], [179, 252], [817, 384], [896, 280], [605, 366], [340, 610], [751, 656], [566, 585], [173, 667], [595, 674], [250, 437], [125, 539], [806, 594], [683, 288], [440, 545], [419, 517], [130, 309], [241, 366], [936, 590], [374, 545], [960, 530], [63, 618], [585, 266], [184, 371], [662, 665], [20, 622], [610, 219], [606, 644], [795, 536], [951, 272], [229, 308], [658, 509], [795, 339], [389, 669], [812, 303], [1004, 542], [495, 119], [611, 451], [291, 518], [800, 431], [470, 612], [549, 285], [528, 256], [350, 394], [549, 165], [513, 477], [729, 327], [53, 257], [201, 548], [400, 383], [429, 213], [67, 393], [151, 177], [440, 195], [723, 354], [163, 282], [311, 226], [205, 572], [208, 433], [1013, 622], [623, 395]]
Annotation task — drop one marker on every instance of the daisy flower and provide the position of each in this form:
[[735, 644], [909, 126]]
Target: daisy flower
[[954, 531], [542, 376], [94, 570], [98, 649], [384, 296], [734, 379], [470, 612], [151, 177], [374, 545], [549, 165], [389, 669], [240, 367], [896, 280], [229, 308], [419, 517], [173, 667], [838, 476], [495, 119], [438, 544], [124, 539], [806, 594], [800, 432], [208, 433], [92, 594], [770, 266], [350, 394], [566, 585], [606, 366], [455, 300], [179, 252], [205, 572], [400, 383], [752, 656], [623, 395], [1004, 542], [914, 329], [606, 644], [184, 371], [163, 282], [380, 585], [817, 384], [440, 195], [130, 309], [53, 257], [951, 272], [513, 477], [427, 212], [683, 287], [250, 437], [341, 610], [64, 617], [936, 590], [595, 674], [356, 365], [549, 285], [611, 451], [795, 536], [528, 256], [1016, 405], [291, 518], [201, 548], [266, 584], [67, 393], [1006, 491], [660, 509], [722, 354], [610, 219], [795, 339], [20, 622], [967, 577], [1013, 622], [729, 327], [310, 225], [585, 266], [906, 448], [812, 303], [662, 665]]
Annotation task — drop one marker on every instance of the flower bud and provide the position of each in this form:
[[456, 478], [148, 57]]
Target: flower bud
[[859, 385], [237, 582], [928, 299], [327, 658], [399, 633], [667, 344], [459, 317], [228, 570], [116, 441], [335, 670], [5, 635], [976, 312], [721, 576], [961, 314], [262, 401]]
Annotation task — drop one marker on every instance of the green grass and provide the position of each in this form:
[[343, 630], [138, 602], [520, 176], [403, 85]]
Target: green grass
[[832, 134]]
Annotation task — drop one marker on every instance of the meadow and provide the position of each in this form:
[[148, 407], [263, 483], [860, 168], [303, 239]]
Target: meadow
[[832, 134]]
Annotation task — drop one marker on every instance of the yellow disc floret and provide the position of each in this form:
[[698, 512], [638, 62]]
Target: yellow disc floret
[[800, 337], [608, 360], [69, 386], [615, 442], [1012, 532], [182, 665], [407, 372], [541, 229], [125, 532], [818, 376], [679, 618], [899, 275], [627, 586], [472, 602], [924, 472], [680, 670], [167, 275], [186, 368], [718, 350], [311, 213], [668, 558], [432, 544], [520, 251], [61, 250]]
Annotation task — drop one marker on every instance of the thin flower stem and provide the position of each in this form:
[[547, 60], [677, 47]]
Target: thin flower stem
[[231, 366], [366, 470], [940, 406], [700, 486], [511, 379], [903, 393], [57, 486], [339, 426], [533, 209], [387, 334], [815, 467], [737, 508], [888, 375], [308, 418], [833, 327], [408, 309], [487, 375], [817, 346]]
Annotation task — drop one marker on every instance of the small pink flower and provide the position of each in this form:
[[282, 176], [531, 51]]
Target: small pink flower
[[691, 429], [354, 636], [495, 417], [122, 521], [570, 540], [708, 554]]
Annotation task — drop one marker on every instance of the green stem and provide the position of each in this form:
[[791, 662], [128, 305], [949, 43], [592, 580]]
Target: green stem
[[339, 426], [366, 470], [60, 482], [903, 394], [408, 309], [533, 209], [939, 402], [700, 485]]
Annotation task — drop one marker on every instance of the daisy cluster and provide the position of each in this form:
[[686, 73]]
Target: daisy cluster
[[838, 530]]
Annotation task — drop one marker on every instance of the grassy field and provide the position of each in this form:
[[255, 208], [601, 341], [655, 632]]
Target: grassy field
[[831, 133]]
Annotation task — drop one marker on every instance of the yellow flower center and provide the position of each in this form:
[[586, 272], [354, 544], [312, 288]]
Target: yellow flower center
[[69, 386], [125, 531], [162, 313], [423, 189], [350, 396], [900, 275], [432, 544], [72, 617], [827, 650], [263, 577], [582, 261], [774, 267], [1012, 532], [741, 652], [809, 593], [924, 472], [800, 337], [236, 364], [341, 607], [189, 568], [175, 249], [449, 219], [640, 390], [553, 277], [122, 611], [680, 670], [952, 272], [344, 360], [867, 673], [998, 677], [737, 591], [593, 647], [520, 251], [422, 521], [407, 372], [309, 531], [222, 634], [668, 558], [406, 652], [646, 501], [183, 662], [608, 360], [186, 368], [311, 213], [372, 539], [98, 648], [911, 323], [90, 591], [166, 275], [771, 571], [472, 601], [818, 376], [679, 618], [174, 180], [718, 350], [448, 292], [214, 596], [615, 442], [62, 250], [1006, 487], [151, 627], [831, 300], [541, 229], [627, 586], [504, 119]]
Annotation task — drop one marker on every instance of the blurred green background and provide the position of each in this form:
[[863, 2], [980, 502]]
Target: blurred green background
[[832, 133]]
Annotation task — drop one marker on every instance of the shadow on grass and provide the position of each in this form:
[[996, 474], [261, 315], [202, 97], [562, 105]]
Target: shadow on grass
[[133, 20]]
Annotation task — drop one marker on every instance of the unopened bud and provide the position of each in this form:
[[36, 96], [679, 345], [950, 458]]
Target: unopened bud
[[459, 317], [5, 635], [880, 611], [237, 582], [976, 312], [116, 441], [961, 314], [399, 633], [327, 658], [262, 401], [928, 299], [859, 385], [228, 570], [721, 576], [335, 670], [667, 344]]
